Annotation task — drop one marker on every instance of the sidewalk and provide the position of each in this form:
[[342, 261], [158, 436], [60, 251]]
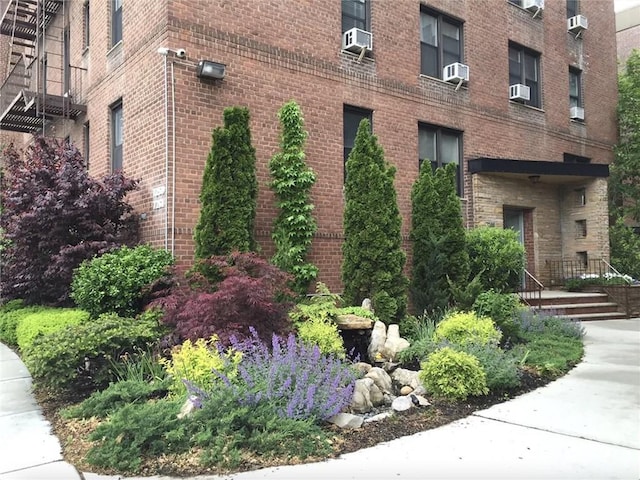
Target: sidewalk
[[585, 425]]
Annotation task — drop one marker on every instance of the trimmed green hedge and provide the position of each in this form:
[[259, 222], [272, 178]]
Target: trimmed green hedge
[[11, 313], [46, 321]]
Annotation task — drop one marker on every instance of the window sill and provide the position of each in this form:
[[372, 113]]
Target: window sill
[[531, 107], [439, 80], [116, 47], [577, 122]]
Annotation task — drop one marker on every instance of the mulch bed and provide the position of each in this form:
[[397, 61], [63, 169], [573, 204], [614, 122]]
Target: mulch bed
[[72, 434]]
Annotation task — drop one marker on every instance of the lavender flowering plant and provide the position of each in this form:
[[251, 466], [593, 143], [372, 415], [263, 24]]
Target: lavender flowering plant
[[303, 382]]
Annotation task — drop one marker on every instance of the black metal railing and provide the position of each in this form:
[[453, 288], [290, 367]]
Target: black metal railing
[[561, 270], [531, 290]]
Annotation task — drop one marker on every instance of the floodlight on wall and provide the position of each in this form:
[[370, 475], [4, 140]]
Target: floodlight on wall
[[210, 69]]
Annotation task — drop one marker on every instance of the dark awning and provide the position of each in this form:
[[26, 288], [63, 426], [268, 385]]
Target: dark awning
[[535, 167]]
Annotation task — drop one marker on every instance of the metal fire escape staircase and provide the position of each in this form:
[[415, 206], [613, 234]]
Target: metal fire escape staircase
[[36, 89]]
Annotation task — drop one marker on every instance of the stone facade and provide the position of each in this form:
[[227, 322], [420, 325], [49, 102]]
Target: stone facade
[[280, 50]]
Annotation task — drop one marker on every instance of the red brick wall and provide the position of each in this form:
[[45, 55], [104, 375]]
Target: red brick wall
[[281, 50]]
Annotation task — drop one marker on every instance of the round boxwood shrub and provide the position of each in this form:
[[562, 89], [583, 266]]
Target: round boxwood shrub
[[466, 327], [453, 375], [503, 309], [115, 282], [496, 257]]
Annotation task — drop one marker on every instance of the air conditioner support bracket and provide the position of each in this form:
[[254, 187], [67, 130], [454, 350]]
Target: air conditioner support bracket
[[361, 56]]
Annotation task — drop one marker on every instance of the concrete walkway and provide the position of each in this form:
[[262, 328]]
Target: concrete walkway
[[585, 425]]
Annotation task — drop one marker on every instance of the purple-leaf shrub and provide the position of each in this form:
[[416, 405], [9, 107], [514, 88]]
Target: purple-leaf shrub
[[241, 290], [304, 382], [54, 216]]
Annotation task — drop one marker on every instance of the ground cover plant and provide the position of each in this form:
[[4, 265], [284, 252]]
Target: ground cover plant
[[268, 409]]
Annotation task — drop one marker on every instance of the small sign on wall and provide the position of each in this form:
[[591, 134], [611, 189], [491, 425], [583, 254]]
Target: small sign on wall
[[159, 197]]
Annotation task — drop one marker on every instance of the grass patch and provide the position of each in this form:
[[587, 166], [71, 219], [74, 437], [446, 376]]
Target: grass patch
[[552, 355]]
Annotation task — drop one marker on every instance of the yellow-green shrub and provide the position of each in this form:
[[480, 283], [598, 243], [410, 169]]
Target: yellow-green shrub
[[195, 362], [323, 333], [466, 327], [46, 321], [453, 375], [11, 313]]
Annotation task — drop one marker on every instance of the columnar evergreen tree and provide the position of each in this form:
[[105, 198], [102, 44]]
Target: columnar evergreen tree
[[440, 259], [372, 256], [452, 228], [54, 216], [229, 189], [294, 226]]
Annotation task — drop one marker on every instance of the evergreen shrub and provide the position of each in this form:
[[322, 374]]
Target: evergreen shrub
[[466, 327], [453, 375], [497, 257], [503, 309], [115, 282], [11, 314], [45, 322]]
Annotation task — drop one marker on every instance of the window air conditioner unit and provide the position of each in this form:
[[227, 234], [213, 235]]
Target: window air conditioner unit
[[576, 113], [533, 5], [456, 73], [577, 24], [519, 92], [356, 40]]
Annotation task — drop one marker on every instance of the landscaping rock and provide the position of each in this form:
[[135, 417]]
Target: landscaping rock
[[350, 321], [406, 390], [394, 344], [378, 338], [346, 420], [381, 379], [390, 366], [400, 404], [361, 401], [422, 402], [402, 377], [366, 304], [376, 396], [378, 417], [362, 368]]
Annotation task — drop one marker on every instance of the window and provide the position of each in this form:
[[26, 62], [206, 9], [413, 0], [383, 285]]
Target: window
[[440, 146], [583, 259], [572, 8], [440, 43], [570, 158], [581, 197], [575, 87], [85, 24], [86, 141], [352, 117], [581, 228], [66, 61], [116, 21], [117, 136], [356, 14], [524, 68]]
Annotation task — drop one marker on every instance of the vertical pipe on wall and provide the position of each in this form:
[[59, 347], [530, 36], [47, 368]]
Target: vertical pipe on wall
[[166, 155], [173, 160]]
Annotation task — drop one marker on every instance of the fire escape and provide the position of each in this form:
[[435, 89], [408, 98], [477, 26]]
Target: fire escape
[[41, 85]]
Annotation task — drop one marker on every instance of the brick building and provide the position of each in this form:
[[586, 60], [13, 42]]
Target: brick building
[[627, 32], [531, 128]]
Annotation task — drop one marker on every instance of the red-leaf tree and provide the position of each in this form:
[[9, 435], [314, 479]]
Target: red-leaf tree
[[54, 216]]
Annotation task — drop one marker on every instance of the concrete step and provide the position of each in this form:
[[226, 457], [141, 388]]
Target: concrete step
[[585, 317], [579, 308], [573, 298]]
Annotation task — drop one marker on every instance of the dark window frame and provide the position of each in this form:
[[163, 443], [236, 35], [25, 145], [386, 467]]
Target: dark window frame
[[350, 21], [439, 131], [116, 22], [581, 228], [573, 8], [66, 60], [86, 134], [578, 97], [348, 141], [117, 157], [427, 50], [86, 31], [523, 75]]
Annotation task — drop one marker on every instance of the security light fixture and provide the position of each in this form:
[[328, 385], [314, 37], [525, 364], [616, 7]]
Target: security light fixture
[[534, 179], [210, 69]]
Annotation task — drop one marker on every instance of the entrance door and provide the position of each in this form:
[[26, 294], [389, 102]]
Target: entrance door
[[514, 219]]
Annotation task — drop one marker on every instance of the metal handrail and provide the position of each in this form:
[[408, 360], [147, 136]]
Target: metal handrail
[[615, 271], [536, 290]]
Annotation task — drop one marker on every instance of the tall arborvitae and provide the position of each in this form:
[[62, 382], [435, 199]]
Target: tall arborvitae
[[452, 228], [440, 259], [372, 256], [294, 226], [229, 189]]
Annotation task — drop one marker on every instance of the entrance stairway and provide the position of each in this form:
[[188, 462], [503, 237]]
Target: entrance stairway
[[580, 306]]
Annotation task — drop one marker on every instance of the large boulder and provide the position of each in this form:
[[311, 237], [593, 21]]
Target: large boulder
[[346, 420], [361, 400], [400, 404], [394, 344], [378, 339], [402, 377], [381, 379]]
